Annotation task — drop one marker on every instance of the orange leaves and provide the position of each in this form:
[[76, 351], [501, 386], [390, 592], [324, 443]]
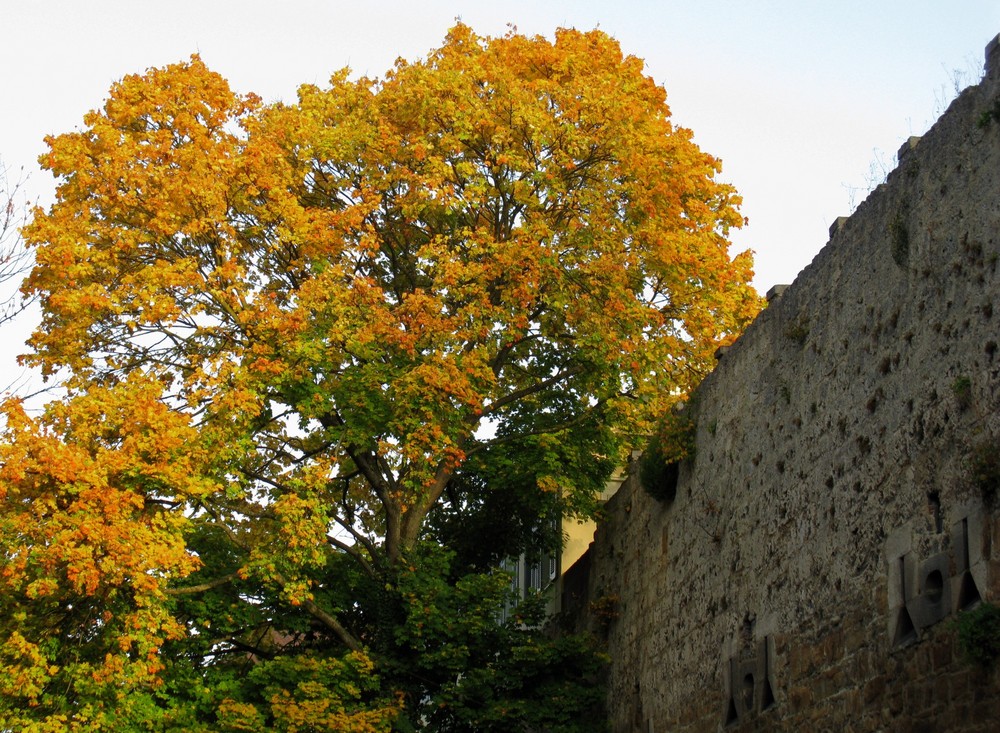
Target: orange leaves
[[280, 321], [144, 190], [304, 524], [92, 522], [24, 669], [326, 302], [76, 489]]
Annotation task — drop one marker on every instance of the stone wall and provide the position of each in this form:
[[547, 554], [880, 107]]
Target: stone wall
[[830, 525]]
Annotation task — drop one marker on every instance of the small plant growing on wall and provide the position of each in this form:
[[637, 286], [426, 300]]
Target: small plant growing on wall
[[992, 114], [672, 442], [605, 610], [798, 330], [899, 240], [985, 468], [962, 389], [979, 634]]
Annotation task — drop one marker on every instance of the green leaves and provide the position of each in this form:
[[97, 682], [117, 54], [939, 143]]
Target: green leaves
[[328, 364], [466, 671]]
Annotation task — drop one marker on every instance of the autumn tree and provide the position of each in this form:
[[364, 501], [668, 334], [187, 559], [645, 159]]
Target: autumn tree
[[307, 347]]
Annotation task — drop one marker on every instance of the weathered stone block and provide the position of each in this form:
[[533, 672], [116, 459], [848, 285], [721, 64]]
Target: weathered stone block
[[839, 223], [941, 654], [775, 292]]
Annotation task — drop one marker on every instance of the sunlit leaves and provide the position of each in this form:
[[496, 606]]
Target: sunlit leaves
[[312, 693], [302, 341], [89, 546]]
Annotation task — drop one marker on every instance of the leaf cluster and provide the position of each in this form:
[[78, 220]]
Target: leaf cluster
[[671, 443], [465, 671], [979, 634]]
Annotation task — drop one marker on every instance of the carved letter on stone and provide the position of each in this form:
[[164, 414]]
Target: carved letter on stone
[[750, 688], [923, 593]]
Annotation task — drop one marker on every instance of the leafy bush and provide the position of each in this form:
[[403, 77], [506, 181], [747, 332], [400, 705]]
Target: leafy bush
[[985, 467], [979, 634], [962, 389], [673, 442]]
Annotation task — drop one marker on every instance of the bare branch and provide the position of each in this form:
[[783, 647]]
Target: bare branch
[[15, 259], [328, 620], [530, 390]]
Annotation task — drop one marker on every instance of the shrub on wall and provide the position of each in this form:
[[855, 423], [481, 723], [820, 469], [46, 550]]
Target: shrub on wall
[[985, 468], [673, 442], [979, 634]]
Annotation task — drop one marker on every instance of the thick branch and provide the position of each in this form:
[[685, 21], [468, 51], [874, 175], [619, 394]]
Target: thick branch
[[530, 390], [353, 552], [334, 625], [201, 587], [413, 519], [368, 465]]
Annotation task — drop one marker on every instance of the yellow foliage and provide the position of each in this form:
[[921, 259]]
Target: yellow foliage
[[284, 321]]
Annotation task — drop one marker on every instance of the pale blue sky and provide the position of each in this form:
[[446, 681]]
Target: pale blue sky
[[797, 98]]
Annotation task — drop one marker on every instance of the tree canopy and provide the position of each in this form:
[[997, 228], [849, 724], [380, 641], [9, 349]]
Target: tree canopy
[[313, 353]]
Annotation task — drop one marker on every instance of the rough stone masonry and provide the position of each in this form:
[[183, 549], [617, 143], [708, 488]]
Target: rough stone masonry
[[834, 520]]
